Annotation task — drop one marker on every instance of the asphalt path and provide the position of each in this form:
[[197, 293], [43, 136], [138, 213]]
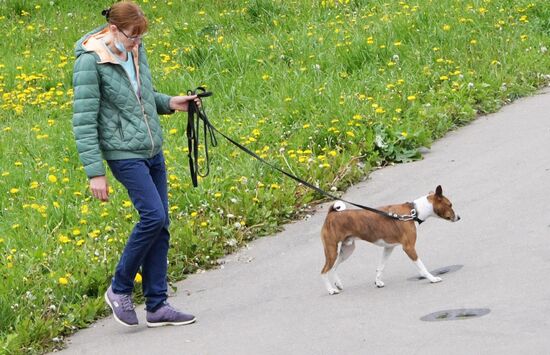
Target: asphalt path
[[269, 298]]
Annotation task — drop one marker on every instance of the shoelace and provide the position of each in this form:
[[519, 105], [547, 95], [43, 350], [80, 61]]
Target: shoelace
[[126, 303]]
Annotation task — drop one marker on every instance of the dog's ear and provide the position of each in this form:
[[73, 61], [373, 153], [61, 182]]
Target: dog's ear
[[438, 191]]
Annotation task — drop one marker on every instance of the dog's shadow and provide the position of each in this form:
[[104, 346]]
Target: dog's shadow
[[441, 271]]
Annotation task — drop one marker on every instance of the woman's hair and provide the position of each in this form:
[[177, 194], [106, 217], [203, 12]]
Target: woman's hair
[[125, 14]]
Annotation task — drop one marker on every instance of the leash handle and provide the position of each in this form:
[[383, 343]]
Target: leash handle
[[196, 114]]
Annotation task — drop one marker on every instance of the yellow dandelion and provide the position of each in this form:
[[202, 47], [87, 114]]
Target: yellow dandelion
[[138, 279], [64, 239], [63, 281], [52, 179], [411, 97]]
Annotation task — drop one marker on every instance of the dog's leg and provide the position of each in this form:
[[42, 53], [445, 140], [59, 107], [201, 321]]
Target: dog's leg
[[385, 255], [346, 249], [424, 272], [331, 254], [411, 252]]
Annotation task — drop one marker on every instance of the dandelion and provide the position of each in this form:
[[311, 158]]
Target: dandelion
[[411, 97], [63, 239], [84, 209], [446, 27], [14, 190], [266, 77], [63, 281], [218, 195], [443, 78], [52, 179], [404, 134], [173, 131], [138, 279], [76, 232]]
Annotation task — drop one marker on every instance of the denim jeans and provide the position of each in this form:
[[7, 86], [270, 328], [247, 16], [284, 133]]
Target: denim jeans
[[147, 246]]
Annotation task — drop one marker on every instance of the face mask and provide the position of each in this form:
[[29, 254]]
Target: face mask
[[120, 47]]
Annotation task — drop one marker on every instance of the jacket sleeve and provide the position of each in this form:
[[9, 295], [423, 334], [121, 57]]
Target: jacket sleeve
[[85, 114], [163, 103]]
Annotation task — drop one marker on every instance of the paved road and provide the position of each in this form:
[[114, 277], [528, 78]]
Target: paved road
[[269, 298]]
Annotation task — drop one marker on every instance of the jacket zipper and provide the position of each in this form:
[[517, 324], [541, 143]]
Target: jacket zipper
[[142, 112]]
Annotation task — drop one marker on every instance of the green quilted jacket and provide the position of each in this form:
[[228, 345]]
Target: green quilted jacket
[[110, 120]]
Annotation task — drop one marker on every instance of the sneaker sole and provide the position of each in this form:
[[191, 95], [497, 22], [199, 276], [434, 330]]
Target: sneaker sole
[[114, 314], [162, 324]]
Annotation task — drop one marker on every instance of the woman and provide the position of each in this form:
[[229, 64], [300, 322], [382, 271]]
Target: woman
[[116, 118]]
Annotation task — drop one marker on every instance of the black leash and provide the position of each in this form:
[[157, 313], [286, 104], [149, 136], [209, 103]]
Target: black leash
[[197, 114]]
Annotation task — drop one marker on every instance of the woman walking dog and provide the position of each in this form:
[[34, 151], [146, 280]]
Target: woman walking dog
[[116, 119]]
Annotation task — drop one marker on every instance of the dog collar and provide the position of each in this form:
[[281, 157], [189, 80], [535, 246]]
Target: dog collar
[[416, 217], [414, 214]]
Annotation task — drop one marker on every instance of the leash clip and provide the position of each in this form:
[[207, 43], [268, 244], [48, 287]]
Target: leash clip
[[408, 217]]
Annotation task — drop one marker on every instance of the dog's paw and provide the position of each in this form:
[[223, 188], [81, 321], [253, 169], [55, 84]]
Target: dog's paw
[[435, 279], [339, 285], [333, 291], [379, 283]]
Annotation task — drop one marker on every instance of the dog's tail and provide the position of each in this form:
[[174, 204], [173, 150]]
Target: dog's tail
[[338, 206]]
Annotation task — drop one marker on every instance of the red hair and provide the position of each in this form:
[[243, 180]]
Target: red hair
[[126, 14]]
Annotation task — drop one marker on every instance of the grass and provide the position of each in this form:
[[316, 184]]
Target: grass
[[326, 89]]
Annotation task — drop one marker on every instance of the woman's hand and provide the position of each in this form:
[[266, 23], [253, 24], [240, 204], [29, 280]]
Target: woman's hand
[[100, 188], [181, 103]]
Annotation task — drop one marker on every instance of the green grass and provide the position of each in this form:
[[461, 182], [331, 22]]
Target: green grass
[[325, 89]]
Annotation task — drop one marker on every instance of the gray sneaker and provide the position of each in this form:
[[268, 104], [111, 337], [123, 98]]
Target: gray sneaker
[[123, 308], [168, 315]]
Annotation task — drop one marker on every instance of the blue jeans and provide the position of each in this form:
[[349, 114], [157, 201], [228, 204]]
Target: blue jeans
[[147, 246]]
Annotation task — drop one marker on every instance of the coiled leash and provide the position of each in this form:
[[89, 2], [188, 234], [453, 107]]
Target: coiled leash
[[197, 114]]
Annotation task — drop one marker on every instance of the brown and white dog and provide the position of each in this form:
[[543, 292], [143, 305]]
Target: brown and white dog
[[344, 226]]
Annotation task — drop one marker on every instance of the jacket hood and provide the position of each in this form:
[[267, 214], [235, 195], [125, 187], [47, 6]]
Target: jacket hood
[[94, 42]]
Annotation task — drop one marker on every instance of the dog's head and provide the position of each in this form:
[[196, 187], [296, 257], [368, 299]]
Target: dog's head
[[442, 206]]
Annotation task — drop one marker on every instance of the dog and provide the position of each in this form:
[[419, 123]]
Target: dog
[[343, 226]]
